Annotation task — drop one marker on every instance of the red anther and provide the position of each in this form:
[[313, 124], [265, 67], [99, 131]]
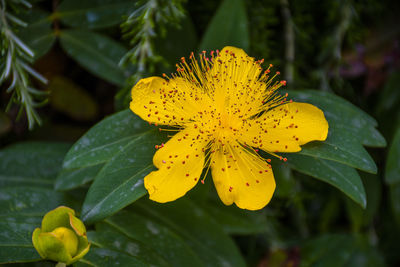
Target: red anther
[[183, 59], [164, 75], [283, 83], [270, 65], [191, 55], [203, 51], [202, 181], [256, 150], [156, 146], [284, 159], [267, 71], [162, 144], [278, 73], [268, 160]]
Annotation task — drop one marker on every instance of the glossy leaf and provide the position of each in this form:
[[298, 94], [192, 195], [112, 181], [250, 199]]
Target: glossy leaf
[[16, 238], [21, 211], [94, 14], [38, 35], [105, 139], [343, 147], [120, 181], [110, 238], [156, 236], [345, 178], [343, 115], [392, 168], [73, 178], [229, 26], [200, 231], [96, 53], [108, 258], [31, 163], [28, 201]]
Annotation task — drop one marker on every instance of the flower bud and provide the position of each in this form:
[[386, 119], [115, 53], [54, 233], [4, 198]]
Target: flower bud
[[62, 236]]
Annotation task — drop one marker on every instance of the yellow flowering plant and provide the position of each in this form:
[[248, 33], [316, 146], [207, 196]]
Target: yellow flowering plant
[[225, 108]]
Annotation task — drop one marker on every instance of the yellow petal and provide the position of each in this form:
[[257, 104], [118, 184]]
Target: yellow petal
[[165, 102], [236, 82], [242, 178], [286, 127], [180, 163]]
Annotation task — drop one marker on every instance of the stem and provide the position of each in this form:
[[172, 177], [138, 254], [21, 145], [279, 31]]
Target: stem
[[289, 41]]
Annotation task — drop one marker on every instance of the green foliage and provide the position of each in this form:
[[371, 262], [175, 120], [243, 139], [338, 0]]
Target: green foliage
[[14, 66], [336, 202]]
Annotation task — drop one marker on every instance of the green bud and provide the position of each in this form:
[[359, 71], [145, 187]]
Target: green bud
[[62, 236]]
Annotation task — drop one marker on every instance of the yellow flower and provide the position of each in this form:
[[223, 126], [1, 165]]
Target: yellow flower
[[62, 237], [225, 107]]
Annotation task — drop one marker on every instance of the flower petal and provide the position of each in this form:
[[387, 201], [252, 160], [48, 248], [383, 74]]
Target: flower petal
[[159, 101], [236, 83], [57, 218], [242, 178], [180, 163], [286, 127], [36, 243], [53, 248]]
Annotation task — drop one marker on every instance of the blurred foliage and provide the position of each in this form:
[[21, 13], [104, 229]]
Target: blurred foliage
[[346, 55]]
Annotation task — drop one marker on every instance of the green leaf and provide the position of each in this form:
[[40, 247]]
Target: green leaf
[[29, 201], [31, 163], [120, 181], [38, 35], [200, 231], [21, 211], [5, 123], [229, 26], [236, 221], [343, 147], [96, 53], [345, 178], [178, 42], [71, 99], [73, 178], [339, 250], [105, 139], [364, 217], [343, 115], [390, 96], [16, 239], [94, 14], [327, 250], [110, 238], [395, 201], [392, 168], [108, 258], [156, 236]]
